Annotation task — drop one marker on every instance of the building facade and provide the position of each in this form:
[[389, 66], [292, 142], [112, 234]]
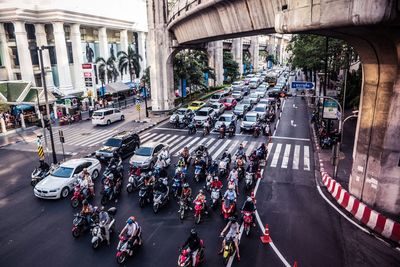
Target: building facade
[[76, 32]]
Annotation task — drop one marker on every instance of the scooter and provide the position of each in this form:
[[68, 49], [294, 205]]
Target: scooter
[[98, 231], [134, 182], [256, 131], [38, 175], [247, 221], [221, 132], [222, 169], [248, 180], [228, 250], [124, 249], [198, 172], [206, 130], [109, 193], [80, 225], [185, 259], [110, 169], [215, 196], [192, 128], [145, 195], [183, 206], [228, 210], [231, 131], [177, 186], [160, 199], [198, 211], [78, 196]]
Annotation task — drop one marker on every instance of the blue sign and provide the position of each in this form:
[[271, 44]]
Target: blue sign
[[302, 85], [183, 88], [102, 91]]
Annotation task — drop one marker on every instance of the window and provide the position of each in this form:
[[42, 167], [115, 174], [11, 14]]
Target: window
[[158, 148], [34, 53], [15, 56], [108, 112], [62, 172], [9, 29], [87, 164], [113, 142], [79, 169], [30, 31], [69, 52], [38, 80], [117, 111]]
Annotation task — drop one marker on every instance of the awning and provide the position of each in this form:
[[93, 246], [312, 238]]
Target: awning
[[117, 87], [22, 93]]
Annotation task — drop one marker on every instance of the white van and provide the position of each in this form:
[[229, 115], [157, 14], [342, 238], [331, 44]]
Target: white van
[[107, 116]]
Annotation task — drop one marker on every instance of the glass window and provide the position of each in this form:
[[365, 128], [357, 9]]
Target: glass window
[[69, 53], [62, 172], [113, 142], [9, 29], [202, 113], [108, 112], [98, 114], [30, 31], [144, 151], [259, 109], [79, 169], [250, 118], [117, 111]]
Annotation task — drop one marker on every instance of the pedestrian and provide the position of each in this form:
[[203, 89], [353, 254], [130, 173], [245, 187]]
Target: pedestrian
[[52, 117]]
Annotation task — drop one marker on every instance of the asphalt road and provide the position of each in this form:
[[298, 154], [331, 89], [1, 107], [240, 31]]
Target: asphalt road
[[303, 227]]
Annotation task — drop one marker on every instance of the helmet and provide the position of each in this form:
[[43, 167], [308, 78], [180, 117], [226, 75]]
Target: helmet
[[231, 187], [232, 219], [235, 168], [112, 161], [215, 178], [185, 185], [249, 199], [215, 162], [150, 173], [201, 191], [84, 202], [185, 148], [85, 170], [102, 208], [241, 145], [180, 158], [131, 220], [193, 232]]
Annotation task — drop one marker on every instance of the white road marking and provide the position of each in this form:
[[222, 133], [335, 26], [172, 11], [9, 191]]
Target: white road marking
[[176, 148], [198, 144], [95, 139], [290, 138], [169, 140], [233, 146], [213, 147], [286, 154], [276, 155], [306, 158], [161, 140], [219, 151], [144, 135], [296, 157], [144, 140], [176, 141], [251, 147]]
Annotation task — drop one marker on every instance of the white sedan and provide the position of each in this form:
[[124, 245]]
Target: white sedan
[[61, 180]]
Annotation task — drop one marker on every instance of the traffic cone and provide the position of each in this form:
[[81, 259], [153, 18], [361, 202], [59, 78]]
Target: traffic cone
[[265, 239], [295, 264]]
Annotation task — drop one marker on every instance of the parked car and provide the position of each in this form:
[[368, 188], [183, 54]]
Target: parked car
[[62, 179], [202, 114], [249, 120], [237, 83], [261, 110], [196, 105], [225, 118], [240, 110], [181, 112], [146, 156], [254, 97], [237, 94], [218, 107], [124, 143], [107, 116], [229, 103], [217, 97]]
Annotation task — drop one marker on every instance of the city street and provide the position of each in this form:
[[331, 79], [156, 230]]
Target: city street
[[303, 227]]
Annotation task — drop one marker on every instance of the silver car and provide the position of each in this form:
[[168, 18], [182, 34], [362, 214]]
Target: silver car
[[261, 110], [224, 118], [248, 121], [254, 98], [218, 107], [146, 155], [202, 114]]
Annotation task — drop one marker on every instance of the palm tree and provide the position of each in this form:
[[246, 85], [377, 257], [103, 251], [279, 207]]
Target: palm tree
[[129, 61], [107, 69]]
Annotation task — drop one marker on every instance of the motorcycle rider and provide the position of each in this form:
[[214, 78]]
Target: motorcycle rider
[[149, 179], [207, 125], [240, 152], [87, 211], [163, 156], [135, 171], [160, 186], [185, 155], [251, 168], [193, 243], [261, 151], [250, 206], [186, 194], [213, 168], [89, 181], [233, 229], [230, 195], [104, 219], [131, 230], [226, 155], [202, 198], [43, 166], [234, 176], [232, 125], [222, 129], [216, 183]]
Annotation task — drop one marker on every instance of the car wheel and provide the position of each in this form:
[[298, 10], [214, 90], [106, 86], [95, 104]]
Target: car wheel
[[108, 122], [95, 174], [64, 192], [122, 117]]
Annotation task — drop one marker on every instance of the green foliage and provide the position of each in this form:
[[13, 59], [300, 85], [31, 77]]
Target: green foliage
[[191, 66], [4, 107], [231, 67], [129, 61], [146, 76], [107, 69], [353, 92]]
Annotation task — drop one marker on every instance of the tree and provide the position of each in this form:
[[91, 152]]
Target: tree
[[129, 61], [231, 67], [146, 76], [107, 69]]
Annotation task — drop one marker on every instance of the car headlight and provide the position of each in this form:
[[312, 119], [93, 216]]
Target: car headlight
[[242, 124], [53, 191]]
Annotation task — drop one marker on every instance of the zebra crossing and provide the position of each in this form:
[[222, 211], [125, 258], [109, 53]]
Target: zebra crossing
[[284, 156]]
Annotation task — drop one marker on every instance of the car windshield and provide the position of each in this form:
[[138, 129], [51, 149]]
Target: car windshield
[[259, 109], [181, 112], [144, 151], [253, 95], [240, 108], [229, 100], [215, 97], [62, 172], [98, 114], [227, 119], [246, 101], [236, 83], [201, 113], [260, 90], [113, 142], [195, 104], [250, 118]]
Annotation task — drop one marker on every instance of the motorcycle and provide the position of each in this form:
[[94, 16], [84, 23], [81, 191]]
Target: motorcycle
[[160, 199], [327, 142], [247, 221], [256, 130], [209, 179], [80, 225], [110, 169], [124, 249], [221, 132], [109, 193], [145, 195], [228, 210], [206, 130], [231, 131], [248, 180], [198, 211], [38, 175], [192, 128], [183, 206], [223, 169], [215, 196], [198, 172], [228, 250], [98, 232], [185, 258], [78, 196], [177, 186], [134, 182]]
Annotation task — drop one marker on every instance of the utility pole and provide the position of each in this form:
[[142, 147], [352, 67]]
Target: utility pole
[[326, 64], [40, 50]]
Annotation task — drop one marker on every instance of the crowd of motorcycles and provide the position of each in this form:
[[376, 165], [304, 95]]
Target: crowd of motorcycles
[[327, 139]]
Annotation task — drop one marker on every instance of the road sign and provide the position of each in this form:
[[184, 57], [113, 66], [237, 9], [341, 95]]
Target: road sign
[[40, 150], [61, 134], [138, 107], [68, 103], [330, 109], [302, 85]]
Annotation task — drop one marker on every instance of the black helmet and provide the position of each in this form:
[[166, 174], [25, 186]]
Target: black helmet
[[84, 202], [193, 232], [233, 219]]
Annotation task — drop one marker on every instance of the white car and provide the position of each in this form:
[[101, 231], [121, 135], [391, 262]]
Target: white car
[[181, 112], [61, 180], [224, 118], [218, 107], [107, 116]]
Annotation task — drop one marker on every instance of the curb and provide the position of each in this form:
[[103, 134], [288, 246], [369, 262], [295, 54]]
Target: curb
[[365, 215]]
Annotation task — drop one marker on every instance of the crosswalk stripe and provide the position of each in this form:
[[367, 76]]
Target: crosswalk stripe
[[144, 135], [222, 148], [181, 144], [233, 146], [276, 155], [168, 141], [156, 138], [306, 158], [286, 156], [100, 139], [144, 140], [194, 147], [250, 148], [188, 144], [209, 142], [161, 140], [269, 148], [296, 157], [94, 139], [176, 141], [214, 146]]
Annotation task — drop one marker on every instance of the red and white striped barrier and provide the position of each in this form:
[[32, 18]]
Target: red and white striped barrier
[[367, 216]]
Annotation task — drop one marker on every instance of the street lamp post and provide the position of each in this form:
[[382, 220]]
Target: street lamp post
[[43, 74], [145, 98], [41, 117]]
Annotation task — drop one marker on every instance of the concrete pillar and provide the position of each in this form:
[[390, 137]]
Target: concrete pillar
[[103, 43], [160, 55], [376, 165], [254, 51], [5, 52], [77, 54], [123, 38], [64, 74], [3, 125], [142, 52], [41, 39], [216, 61], [23, 125], [24, 54], [237, 52]]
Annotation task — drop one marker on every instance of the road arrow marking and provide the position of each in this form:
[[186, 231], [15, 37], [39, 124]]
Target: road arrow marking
[[292, 123]]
